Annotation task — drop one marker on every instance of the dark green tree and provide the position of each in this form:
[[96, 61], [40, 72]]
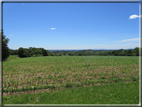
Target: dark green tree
[[13, 52], [136, 51], [5, 49], [22, 52], [25, 52], [129, 52], [44, 52], [122, 53]]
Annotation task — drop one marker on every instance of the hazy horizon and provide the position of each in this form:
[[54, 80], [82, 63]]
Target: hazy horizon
[[78, 49]]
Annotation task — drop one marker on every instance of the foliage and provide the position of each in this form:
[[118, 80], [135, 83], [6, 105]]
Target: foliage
[[13, 52], [5, 49], [22, 52], [137, 51], [32, 51], [89, 52]]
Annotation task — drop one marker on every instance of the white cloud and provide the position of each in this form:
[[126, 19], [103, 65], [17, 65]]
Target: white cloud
[[133, 16], [53, 28], [130, 40], [10, 35]]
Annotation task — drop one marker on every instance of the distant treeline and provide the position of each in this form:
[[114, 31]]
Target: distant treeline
[[32, 51], [29, 52], [120, 52]]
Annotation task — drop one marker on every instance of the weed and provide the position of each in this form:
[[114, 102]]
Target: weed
[[115, 79], [78, 84], [68, 85], [133, 78], [89, 82], [103, 77], [102, 81], [39, 77]]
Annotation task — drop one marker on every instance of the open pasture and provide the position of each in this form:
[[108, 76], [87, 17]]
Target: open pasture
[[39, 73]]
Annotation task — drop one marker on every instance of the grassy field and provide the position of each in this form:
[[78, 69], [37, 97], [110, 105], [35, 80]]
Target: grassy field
[[54, 74], [12, 57], [120, 93]]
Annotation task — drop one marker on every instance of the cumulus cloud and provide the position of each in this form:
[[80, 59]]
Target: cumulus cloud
[[133, 16], [130, 40], [53, 28]]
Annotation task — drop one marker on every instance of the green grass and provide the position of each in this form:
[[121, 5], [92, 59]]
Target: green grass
[[57, 72], [13, 56], [120, 93]]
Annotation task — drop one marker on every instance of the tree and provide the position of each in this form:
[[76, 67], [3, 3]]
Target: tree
[[30, 53], [122, 53], [13, 52], [5, 49], [115, 52], [129, 52], [25, 53], [22, 52], [136, 51], [44, 52]]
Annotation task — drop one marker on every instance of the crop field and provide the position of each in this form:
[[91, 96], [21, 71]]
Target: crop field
[[25, 75]]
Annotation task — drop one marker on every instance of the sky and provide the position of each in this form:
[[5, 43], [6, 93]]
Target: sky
[[72, 25]]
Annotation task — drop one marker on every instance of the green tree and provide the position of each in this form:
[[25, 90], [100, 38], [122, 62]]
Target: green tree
[[136, 51], [129, 52], [25, 53], [44, 52], [30, 52], [5, 49], [122, 53], [13, 52], [21, 52], [115, 52]]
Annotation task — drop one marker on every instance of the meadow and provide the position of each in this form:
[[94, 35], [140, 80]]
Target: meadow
[[34, 75]]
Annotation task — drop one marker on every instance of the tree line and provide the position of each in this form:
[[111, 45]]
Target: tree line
[[120, 52], [32, 51]]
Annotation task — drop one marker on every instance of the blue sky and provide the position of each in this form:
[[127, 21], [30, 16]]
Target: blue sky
[[72, 25]]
